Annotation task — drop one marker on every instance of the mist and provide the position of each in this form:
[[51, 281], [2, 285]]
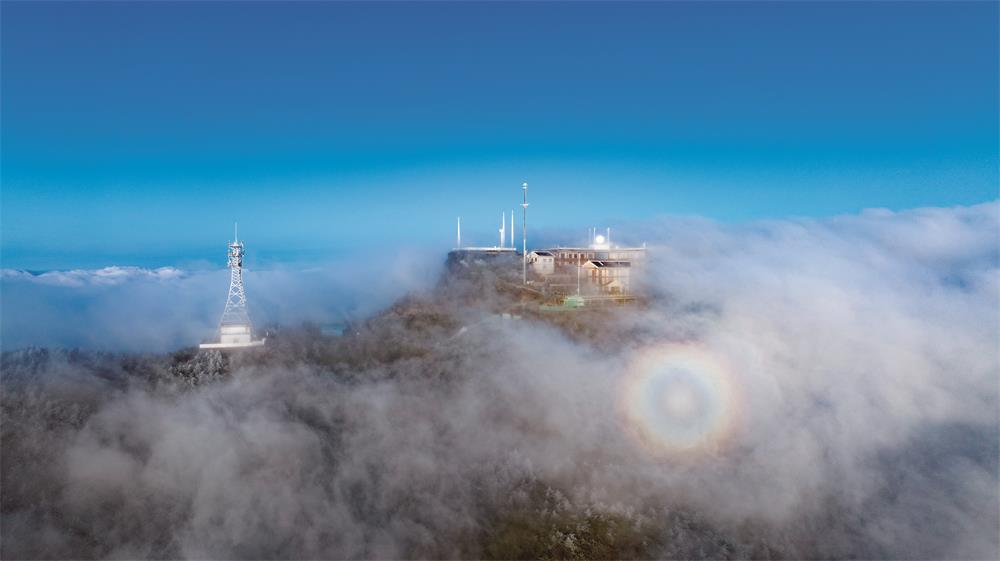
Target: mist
[[840, 381], [123, 308]]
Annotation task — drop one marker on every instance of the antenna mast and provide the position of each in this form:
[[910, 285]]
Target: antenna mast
[[503, 225], [579, 268], [236, 303], [235, 330], [524, 235]]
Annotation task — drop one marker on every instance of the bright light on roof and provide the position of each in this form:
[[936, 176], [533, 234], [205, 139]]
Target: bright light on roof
[[599, 239]]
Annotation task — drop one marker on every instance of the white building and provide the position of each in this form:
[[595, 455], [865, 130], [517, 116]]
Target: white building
[[232, 337], [542, 262], [610, 277], [606, 268], [574, 255]]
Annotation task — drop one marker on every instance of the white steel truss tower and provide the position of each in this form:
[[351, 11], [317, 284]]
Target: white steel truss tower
[[235, 330], [236, 303]]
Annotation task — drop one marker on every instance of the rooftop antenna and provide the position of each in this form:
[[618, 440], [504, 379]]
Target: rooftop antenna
[[609, 237], [512, 229], [459, 246], [503, 226], [524, 235]]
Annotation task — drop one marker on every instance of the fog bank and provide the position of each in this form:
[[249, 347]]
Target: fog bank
[[792, 389]]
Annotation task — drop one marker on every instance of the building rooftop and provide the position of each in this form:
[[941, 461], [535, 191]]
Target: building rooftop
[[610, 264], [561, 249], [485, 249]]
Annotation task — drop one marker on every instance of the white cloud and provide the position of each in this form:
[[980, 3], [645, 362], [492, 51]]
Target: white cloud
[[107, 276], [136, 309], [858, 357]]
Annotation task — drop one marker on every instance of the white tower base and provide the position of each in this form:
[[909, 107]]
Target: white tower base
[[233, 337]]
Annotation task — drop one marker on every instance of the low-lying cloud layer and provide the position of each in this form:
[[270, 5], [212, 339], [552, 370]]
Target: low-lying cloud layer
[[796, 389], [136, 309]]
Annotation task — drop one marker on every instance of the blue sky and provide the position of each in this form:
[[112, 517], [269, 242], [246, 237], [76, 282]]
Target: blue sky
[[136, 133]]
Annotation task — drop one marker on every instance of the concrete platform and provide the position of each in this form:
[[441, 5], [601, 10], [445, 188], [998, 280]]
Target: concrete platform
[[247, 344]]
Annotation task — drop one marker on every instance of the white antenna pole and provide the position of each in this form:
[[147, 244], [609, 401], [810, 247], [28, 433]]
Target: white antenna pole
[[236, 231], [503, 224], [609, 238], [512, 228], [459, 232], [579, 269], [524, 235]]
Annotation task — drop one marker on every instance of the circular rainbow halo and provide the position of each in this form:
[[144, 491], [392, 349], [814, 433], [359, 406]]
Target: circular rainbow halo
[[678, 400]]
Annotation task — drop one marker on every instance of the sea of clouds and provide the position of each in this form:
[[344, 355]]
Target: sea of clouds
[[858, 354], [137, 309]]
